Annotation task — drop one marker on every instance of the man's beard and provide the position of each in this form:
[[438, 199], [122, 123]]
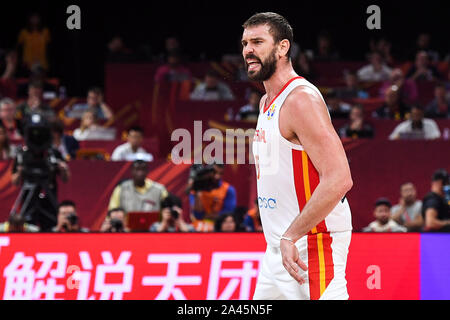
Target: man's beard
[[267, 69]]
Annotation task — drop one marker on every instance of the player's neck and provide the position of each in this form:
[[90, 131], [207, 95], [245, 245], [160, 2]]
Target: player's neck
[[273, 86]]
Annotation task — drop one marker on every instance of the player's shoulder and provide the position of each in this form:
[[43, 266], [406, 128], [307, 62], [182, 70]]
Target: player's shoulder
[[303, 96]]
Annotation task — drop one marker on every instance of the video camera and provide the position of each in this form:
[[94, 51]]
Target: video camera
[[38, 160]]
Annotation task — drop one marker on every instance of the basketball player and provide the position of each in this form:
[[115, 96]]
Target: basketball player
[[302, 173]]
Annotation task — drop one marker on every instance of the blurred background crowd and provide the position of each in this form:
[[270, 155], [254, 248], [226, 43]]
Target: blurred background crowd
[[56, 109]]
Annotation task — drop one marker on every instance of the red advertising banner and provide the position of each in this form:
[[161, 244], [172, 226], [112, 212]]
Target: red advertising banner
[[183, 266]]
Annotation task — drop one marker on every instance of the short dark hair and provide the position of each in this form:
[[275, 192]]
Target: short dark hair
[[440, 175], [115, 210], [96, 90], [170, 201], [279, 27], [220, 220], [137, 129], [66, 203]]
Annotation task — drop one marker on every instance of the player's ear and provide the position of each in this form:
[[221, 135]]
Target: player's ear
[[283, 47]]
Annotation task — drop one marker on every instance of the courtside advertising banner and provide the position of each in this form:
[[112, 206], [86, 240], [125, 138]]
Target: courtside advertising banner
[[203, 266]]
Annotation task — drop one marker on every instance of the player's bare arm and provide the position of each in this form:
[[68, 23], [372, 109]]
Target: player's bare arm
[[304, 120]]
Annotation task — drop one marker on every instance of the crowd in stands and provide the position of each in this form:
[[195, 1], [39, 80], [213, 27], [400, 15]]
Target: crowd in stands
[[213, 201]]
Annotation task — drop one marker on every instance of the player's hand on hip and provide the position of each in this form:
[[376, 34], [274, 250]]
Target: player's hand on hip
[[291, 260]]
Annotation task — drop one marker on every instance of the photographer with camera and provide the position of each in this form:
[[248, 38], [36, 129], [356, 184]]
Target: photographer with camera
[[115, 221], [36, 168], [209, 196], [67, 218], [171, 217]]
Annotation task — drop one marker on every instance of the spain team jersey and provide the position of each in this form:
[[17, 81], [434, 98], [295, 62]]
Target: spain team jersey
[[286, 177]]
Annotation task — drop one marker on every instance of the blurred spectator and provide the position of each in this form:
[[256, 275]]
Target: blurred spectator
[[171, 217], [212, 89], [303, 67], [138, 193], [33, 41], [439, 107], [352, 88], [87, 125], [435, 207], [424, 44], [408, 211], [118, 52], [325, 51], [171, 45], [68, 220], [377, 70], [394, 107], [336, 107], [422, 69], [406, 87], [252, 220], [115, 221], [173, 70], [226, 223], [65, 144], [95, 103], [210, 196], [357, 128], [7, 152], [132, 150], [16, 223], [383, 221], [250, 111], [8, 120], [35, 103], [10, 67], [382, 46], [417, 127]]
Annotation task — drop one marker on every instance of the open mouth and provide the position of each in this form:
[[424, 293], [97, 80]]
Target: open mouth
[[253, 65]]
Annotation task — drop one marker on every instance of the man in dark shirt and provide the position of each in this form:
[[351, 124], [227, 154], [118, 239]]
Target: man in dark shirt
[[435, 208]]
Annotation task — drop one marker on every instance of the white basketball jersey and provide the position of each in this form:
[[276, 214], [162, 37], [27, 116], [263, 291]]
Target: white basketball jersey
[[286, 177]]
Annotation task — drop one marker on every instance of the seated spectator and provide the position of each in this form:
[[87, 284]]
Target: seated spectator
[[12, 125], [35, 103], [394, 107], [117, 52], [422, 69], [408, 211], [210, 196], [383, 221], [252, 220], [357, 128], [352, 88], [325, 51], [38, 75], [383, 46], [67, 219], [138, 193], [336, 107], [377, 70], [132, 150], [171, 217], [16, 223], [303, 66], [435, 206], [250, 111], [115, 221], [226, 223], [7, 152], [90, 130], [417, 127], [424, 44], [407, 88], [94, 103], [439, 107], [66, 145], [212, 89], [173, 70]]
